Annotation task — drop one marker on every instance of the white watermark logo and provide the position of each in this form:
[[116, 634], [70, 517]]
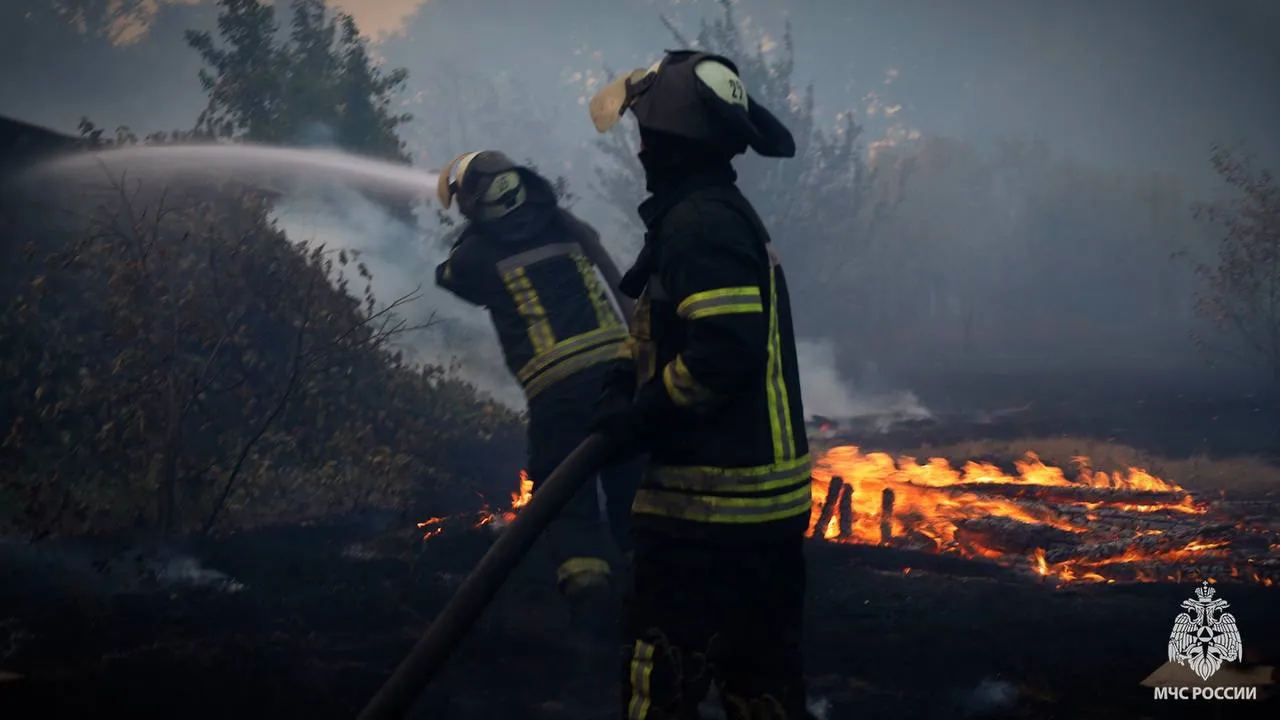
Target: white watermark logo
[[1203, 638]]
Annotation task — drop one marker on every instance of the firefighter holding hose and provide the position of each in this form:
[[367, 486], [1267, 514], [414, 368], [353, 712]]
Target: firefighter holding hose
[[533, 265], [708, 385]]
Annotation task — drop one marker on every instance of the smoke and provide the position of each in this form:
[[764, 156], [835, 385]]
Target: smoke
[[402, 258], [826, 394]]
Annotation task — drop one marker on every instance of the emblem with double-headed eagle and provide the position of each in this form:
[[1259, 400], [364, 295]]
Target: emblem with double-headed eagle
[[1206, 637]]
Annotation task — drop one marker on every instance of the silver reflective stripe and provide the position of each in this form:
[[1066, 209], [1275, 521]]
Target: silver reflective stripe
[[568, 347], [568, 367], [538, 254]]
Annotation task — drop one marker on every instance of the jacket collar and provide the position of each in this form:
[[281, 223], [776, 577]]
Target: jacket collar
[[657, 205]]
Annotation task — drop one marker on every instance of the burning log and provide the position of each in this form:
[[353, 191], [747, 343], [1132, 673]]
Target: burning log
[[886, 516], [1007, 535], [828, 507], [1135, 548], [1099, 517], [1071, 493], [846, 512]]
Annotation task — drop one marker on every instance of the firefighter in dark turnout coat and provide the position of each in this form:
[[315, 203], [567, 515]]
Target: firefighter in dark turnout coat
[[533, 266], [708, 385]]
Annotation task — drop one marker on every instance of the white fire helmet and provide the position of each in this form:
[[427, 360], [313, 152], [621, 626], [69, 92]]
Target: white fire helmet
[[486, 185], [698, 96]]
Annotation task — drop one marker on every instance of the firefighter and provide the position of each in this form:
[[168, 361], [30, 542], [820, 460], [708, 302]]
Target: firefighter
[[533, 265], [708, 386]]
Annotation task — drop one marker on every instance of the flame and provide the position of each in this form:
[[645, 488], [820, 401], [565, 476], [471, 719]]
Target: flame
[[926, 506], [485, 515], [431, 527]]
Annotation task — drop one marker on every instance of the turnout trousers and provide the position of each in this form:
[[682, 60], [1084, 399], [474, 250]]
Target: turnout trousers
[[699, 613], [579, 539]]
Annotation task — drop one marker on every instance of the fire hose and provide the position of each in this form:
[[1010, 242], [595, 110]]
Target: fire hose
[[433, 649]]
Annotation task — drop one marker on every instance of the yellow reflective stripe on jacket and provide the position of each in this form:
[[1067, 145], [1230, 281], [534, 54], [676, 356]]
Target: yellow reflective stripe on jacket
[[730, 480], [723, 510], [640, 679], [681, 386], [606, 316], [530, 307], [784, 441], [722, 301], [581, 566], [571, 365], [566, 348]]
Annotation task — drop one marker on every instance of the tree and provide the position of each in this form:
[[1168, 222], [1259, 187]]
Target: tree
[[319, 84], [1240, 290], [178, 362], [825, 206]]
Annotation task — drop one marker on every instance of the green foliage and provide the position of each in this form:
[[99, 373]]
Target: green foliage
[[182, 358], [174, 362], [320, 79], [1240, 291]]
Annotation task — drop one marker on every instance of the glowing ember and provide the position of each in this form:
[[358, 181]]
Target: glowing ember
[[486, 516], [519, 499], [1094, 526], [431, 527]]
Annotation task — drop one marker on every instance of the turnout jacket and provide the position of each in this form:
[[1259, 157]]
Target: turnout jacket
[[712, 364], [549, 308]]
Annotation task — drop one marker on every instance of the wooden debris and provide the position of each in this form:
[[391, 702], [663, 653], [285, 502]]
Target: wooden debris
[[828, 507], [1068, 493], [1007, 535], [886, 516], [846, 511]]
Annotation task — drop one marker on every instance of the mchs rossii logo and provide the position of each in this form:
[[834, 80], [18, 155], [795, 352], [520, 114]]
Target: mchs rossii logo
[[1203, 638]]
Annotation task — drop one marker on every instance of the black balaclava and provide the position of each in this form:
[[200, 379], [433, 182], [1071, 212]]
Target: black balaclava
[[669, 159]]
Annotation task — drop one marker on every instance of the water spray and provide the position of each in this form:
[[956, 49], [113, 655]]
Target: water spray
[[243, 162]]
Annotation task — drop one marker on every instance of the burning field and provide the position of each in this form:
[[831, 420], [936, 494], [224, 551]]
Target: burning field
[[1064, 524], [1069, 524]]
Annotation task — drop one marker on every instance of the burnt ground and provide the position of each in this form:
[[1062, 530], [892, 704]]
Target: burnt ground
[[313, 634], [318, 627]]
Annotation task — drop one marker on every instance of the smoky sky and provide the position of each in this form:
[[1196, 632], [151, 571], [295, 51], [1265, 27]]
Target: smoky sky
[[1132, 87], [1149, 83]]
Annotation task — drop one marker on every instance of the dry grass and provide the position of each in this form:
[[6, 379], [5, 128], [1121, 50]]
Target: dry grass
[[1237, 477]]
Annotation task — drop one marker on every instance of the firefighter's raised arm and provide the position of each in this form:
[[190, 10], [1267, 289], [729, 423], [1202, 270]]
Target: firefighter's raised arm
[[454, 274]]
